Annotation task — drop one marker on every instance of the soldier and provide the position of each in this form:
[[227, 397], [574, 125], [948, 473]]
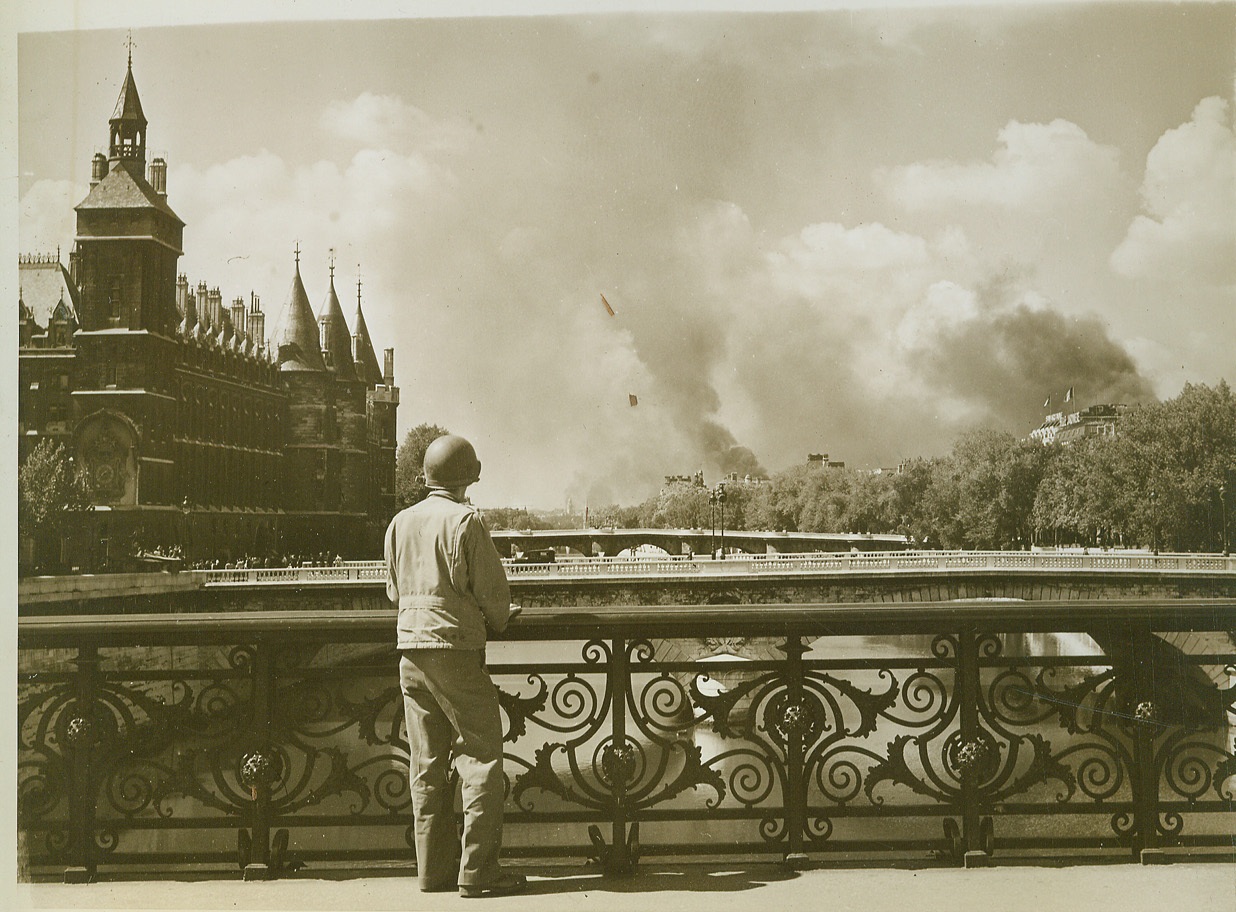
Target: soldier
[[445, 575]]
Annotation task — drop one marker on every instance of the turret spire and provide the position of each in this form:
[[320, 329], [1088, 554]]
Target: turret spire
[[128, 123], [297, 340], [366, 362], [336, 343]]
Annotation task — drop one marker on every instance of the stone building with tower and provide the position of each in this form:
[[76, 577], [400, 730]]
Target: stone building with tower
[[195, 431]]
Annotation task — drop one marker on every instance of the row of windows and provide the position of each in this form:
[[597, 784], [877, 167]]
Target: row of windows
[[223, 416], [230, 478]]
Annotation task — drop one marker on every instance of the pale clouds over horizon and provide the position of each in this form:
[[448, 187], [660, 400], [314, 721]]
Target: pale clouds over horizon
[[1189, 193], [759, 316]]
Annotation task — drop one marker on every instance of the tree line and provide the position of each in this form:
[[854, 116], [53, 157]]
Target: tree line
[[1165, 480]]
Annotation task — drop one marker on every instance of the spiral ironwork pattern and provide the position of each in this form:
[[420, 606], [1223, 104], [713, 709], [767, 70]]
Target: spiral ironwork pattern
[[795, 746]]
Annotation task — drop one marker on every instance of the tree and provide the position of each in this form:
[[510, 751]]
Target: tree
[[681, 505], [49, 489], [1183, 450], [410, 464], [612, 516], [984, 494], [908, 507]]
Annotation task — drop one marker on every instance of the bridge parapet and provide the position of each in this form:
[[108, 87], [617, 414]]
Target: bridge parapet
[[748, 564], [891, 732]]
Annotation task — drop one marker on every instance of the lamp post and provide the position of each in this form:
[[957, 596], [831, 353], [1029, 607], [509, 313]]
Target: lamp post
[[1223, 507], [712, 520], [718, 496], [1154, 520], [184, 533]]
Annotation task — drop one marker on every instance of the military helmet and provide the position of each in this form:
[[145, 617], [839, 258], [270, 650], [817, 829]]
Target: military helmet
[[450, 462]]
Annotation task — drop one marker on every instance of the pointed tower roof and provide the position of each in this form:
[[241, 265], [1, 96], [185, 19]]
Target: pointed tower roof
[[298, 338], [126, 187], [128, 105], [335, 335], [64, 311], [127, 129], [45, 284], [367, 368]]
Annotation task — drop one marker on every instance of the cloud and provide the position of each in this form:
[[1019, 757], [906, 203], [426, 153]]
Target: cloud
[[388, 122], [243, 217], [483, 261], [873, 344], [46, 216], [1189, 196], [1037, 168]]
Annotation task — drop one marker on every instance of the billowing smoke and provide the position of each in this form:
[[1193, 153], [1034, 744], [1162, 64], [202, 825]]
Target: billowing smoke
[[1006, 358], [795, 260]]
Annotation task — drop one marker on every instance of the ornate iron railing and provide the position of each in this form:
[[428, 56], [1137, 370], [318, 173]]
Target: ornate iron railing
[[959, 732], [747, 564]]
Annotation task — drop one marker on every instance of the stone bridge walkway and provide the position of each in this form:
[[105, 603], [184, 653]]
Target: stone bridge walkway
[[1180, 887]]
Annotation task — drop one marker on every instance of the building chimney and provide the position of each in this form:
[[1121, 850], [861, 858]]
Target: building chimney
[[158, 176], [182, 300], [238, 314], [203, 306], [216, 308], [257, 321], [98, 169], [388, 371]]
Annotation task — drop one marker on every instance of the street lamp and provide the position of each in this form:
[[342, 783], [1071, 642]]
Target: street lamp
[[712, 523], [716, 499], [1154, 520], [1223, 506], [184, 533]]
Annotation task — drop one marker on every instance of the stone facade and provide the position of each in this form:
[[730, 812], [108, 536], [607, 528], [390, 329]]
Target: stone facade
[[193, 430]]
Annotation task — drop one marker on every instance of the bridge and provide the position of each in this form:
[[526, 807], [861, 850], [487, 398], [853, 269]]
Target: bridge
[[933, 708], [602, 542]]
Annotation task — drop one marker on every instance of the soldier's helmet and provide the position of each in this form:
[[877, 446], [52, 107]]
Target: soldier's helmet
[[450, 462]]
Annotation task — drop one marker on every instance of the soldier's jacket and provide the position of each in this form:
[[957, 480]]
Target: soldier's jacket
[[444, 573]]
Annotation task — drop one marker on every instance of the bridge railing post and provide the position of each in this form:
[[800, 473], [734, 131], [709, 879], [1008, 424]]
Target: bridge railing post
[[972, 753], [260, 768], [795, 798], [1145, 777], [618, 859], [83, 733]]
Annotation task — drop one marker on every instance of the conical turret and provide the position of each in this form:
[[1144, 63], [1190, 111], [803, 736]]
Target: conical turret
[[363, 355], [298, 339], [128, 123], [336, 342]]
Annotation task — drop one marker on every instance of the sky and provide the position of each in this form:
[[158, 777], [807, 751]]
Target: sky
[[858, 232]]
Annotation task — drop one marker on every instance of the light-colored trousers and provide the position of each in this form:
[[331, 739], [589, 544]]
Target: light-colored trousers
[[451, 708]]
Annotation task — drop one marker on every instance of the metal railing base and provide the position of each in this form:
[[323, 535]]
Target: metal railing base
[[796, 861], [257, 872], [78, 875], [977, 859], [1153, 857]]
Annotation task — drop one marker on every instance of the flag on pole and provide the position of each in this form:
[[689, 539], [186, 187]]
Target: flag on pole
[[609, 310], [1068, 397], [633, 398]]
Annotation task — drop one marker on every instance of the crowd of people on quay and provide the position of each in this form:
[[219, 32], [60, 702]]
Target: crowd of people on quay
[[273, 561]]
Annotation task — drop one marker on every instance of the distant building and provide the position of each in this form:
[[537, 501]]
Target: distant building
[[191, 428], [733, 478], [1065, 428], [822, 461], [697, 480]]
